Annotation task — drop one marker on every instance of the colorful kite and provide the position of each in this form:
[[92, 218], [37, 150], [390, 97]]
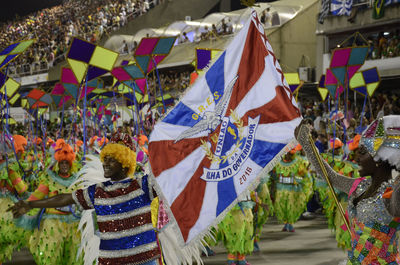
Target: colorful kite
[[38, 98], [332, 85], [12, 51], [321, 88], [8, 84], [293, 80], [129, 75], [87, 59], [74, 88], [59, 96], [347, 60], [204, 57], [150, 49], [366, 82]]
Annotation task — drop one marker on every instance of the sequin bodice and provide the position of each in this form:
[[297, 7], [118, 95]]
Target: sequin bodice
[[374, 239], [371, 209]]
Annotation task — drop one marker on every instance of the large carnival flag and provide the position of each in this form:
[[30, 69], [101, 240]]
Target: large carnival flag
[[227, 131]]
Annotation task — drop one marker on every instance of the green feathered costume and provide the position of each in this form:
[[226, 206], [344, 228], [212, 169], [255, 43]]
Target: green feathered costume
[[343, 237], [293, 189], [332, 212], [262, 196], [58, 238], [236, 229], [15, 233], [326, 197]]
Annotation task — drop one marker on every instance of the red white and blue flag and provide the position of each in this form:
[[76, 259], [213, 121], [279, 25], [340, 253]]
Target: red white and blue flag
[[224, 133]]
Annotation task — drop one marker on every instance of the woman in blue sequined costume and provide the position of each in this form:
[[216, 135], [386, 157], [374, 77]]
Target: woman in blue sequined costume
[[374, 208], [122, 207]]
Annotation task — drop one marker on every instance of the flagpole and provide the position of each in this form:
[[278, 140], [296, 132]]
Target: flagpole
[[325, 173]]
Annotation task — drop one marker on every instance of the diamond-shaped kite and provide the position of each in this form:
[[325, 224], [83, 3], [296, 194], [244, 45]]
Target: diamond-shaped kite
[[322, 89], [129, 75], [152, 48], [13, 51], [89, 59], [332, 85], [347, 59], [38, 98], [14, 99], [72, 86], [366, 82], [8, 84], [293, 80], [59, 95], [204, 57]]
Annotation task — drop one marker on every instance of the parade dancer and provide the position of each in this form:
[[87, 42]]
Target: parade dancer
[[15, 233], [349, 169], [333, 157], [374, 209], [122, 206], [57, 239], [236, 232], [293, 188]]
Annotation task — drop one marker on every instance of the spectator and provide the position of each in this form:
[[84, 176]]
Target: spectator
[[183, 38], [88, 19], [204, 33], [124, 48], [266, 18]]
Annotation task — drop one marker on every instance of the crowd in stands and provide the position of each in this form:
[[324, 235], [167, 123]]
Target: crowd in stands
[[53, 28], [224, 27], [170, 81], [384, 46], [323, 122]]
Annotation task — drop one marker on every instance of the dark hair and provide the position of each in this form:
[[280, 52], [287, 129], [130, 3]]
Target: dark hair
[[314, 133], [308, 121], [386, 164]]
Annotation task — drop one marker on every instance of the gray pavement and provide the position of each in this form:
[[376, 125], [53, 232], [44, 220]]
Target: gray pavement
[[311, 244]]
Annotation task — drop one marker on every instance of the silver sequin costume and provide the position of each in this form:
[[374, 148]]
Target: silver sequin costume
[[373, 221]]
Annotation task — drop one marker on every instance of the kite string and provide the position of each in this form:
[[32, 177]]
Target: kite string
[[136, 108], [334, 130], [84, 120], [159, 84], [363, 112], [6, 129], [75, 111], [62, 120]]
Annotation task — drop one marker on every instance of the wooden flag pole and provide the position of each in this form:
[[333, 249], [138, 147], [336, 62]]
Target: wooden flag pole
[[325, 173]]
